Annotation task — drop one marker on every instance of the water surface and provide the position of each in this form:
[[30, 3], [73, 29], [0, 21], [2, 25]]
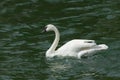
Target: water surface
[[23, 47]]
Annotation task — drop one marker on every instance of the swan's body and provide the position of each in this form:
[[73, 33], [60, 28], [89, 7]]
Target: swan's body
[[73, 48]]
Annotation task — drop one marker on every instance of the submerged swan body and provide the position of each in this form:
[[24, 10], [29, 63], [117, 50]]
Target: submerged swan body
[[73, 48]]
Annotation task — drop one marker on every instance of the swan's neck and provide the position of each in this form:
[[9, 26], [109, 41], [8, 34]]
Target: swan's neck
[[55, 42]]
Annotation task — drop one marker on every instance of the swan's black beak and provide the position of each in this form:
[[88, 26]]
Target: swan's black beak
[[44, 30]]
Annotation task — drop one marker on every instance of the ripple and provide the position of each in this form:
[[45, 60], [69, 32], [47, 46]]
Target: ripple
[[23, 47]]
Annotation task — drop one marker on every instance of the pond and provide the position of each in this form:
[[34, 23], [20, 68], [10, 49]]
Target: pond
[[23, 46]]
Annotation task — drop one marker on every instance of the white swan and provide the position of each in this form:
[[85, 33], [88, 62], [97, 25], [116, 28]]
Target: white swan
[[74, 48]]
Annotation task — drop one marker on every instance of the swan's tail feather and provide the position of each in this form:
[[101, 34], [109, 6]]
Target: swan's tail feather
[[103, 46], [100, 47], [93, 50]]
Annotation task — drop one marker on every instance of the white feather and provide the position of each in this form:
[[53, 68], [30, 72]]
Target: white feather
[[73, 48]]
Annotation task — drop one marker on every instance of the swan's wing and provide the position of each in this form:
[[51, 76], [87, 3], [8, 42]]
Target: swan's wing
[[89, 41], [78, 48], [77, 45]]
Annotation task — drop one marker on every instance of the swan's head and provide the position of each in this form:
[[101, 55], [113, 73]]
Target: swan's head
[[49, 27]]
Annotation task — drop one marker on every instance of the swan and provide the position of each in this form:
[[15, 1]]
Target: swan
[[74, 48]]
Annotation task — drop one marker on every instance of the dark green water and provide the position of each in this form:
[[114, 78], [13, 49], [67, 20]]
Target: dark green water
[[22, 46]]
